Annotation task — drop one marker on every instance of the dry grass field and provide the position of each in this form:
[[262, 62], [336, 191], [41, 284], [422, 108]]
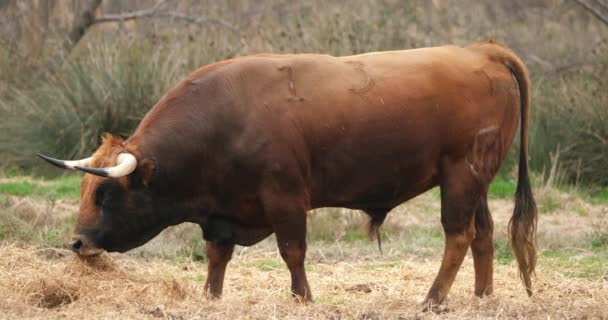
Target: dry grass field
[[350, 279]]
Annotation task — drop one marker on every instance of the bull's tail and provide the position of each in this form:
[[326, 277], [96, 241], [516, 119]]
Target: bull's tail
[[522, 226]]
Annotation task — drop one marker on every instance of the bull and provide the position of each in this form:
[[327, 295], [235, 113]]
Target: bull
[[245, 147]]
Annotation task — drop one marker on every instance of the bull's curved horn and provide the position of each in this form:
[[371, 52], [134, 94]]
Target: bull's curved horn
[[67, 164], [125, 164]]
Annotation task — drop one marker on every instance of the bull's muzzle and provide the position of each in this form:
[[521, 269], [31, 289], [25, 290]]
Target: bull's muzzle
[[83, 246]]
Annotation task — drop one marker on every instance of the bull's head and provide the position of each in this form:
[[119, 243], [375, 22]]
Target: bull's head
[[116, 208]]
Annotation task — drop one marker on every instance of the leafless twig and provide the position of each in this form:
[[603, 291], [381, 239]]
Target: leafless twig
[[155, 11], [199, 20], [602, 4], [87, 18], [593, 10], [83, 21], [130, 15]]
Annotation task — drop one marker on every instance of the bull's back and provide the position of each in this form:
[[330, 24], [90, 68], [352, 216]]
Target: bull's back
[[438, 88], [375, 126]]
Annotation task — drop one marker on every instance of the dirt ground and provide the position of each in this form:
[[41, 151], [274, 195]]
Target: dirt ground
[[349, 280]]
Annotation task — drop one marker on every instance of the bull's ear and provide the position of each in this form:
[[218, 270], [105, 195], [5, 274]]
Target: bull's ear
[[145, 170]]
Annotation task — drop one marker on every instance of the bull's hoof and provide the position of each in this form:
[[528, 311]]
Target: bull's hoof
[[436, 308], [484, 293], [212, 295], [430, 306], [302, 299]]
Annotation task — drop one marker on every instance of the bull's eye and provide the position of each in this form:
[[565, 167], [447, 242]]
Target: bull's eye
[[103, 192], [99, 195]]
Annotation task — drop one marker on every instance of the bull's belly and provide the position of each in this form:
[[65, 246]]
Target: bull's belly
[[375, 188]]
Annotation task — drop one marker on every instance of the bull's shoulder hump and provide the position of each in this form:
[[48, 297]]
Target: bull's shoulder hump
[[254, 61]]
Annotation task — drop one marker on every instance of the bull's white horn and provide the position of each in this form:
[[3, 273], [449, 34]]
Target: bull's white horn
[[125, 164], [67, 164]]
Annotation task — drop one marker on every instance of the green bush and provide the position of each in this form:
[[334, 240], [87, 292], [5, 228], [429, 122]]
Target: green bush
[[107, 90], [570, 117], [340, 32]]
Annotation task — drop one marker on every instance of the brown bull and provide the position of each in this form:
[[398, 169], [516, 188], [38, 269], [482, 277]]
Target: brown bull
[[247, 146]]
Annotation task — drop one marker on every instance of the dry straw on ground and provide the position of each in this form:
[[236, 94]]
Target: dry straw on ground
[[37, 284], [350, 280]]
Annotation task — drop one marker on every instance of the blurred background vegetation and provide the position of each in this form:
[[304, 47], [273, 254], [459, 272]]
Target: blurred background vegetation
[[71, 70]]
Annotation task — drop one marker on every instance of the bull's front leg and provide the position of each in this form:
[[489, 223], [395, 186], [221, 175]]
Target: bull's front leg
[[218, 255], [291, 239], [285, 206]]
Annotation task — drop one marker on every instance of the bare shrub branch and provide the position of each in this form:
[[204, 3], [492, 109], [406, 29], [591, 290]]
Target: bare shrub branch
[[87, 19], [199, 20], [593, 10], [82, 23], [130, 15]]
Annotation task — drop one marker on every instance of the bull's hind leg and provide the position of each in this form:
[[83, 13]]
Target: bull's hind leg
[[483, 249], [486, 157], [218, 256], [460, 193]]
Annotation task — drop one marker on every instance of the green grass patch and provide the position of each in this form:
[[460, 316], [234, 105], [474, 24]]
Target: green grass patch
[[426, 237], [337, 300], [272, 265], [599, 241], [269, 265], [55, 233], [194, 248], [502, 252], [435, 193], [502, 188], [590, 264], [384, 265], [323, 225], [55, 237], [548, 203], [21, 188], [63, 187], [581, 211], [354, 235], [201, 277], [601, 195], [587, 265], [594, 195], [422, 241]]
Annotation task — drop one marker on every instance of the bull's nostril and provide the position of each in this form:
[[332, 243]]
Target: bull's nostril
[[76, 245]]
